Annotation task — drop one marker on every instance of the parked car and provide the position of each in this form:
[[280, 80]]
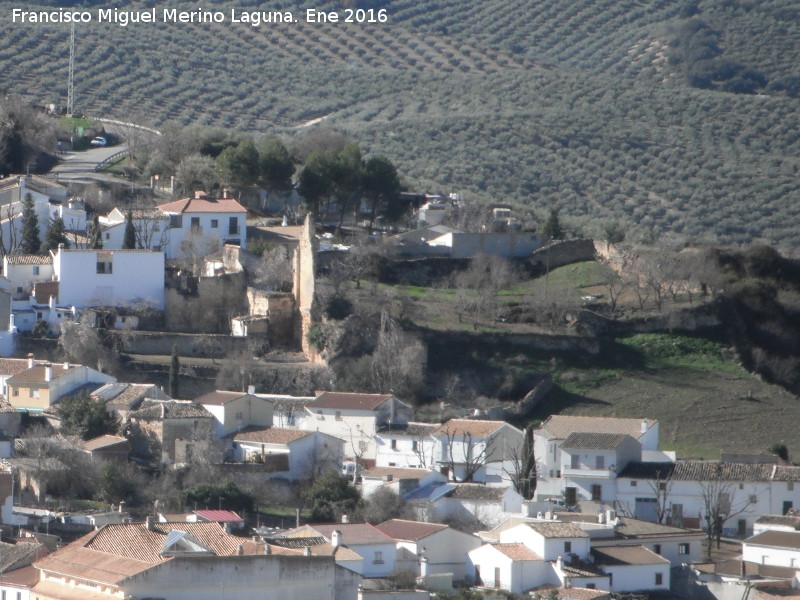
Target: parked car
[[99, 141]]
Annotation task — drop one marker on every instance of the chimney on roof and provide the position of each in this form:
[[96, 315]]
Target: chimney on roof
[[601, 516], [199, 194], [66, 365], [307, 551], [644, 425], [225, 193], [48, 372], [30, 360], [345, 519], [149, 523], [560, 564], [239, 550], [267, 549], [611, 515], [251, 389], [122, 506], [228, 528], [336, 538]]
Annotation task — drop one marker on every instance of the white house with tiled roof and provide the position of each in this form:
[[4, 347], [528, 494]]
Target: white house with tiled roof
[[405, 445], [42, 384], [306, 453], [633, 568], [550, 435], [185, 561], [431, 547], [679, 490], [508, 566], [355, 418], [775, 548], [233, 411], [23, 271], [202, 220], [477, 450], [377, 549]]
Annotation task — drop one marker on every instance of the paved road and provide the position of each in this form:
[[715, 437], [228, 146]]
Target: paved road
[[79, 166]]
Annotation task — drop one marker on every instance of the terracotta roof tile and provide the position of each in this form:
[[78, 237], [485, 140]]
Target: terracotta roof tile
[[124, 395], [170, 409], [780, 539], [402, 529], [415, 430], [268, 435], [517, 551], [477, 491], [346, 400], [352, 533], [554, 529], [103, 441], [219, 516], [698, 470], [792, 521], [29, 259], [203, 205], [627, 555], [397, 473], [572, 593], [12, 366], [594, 441], [560, 426], [582, 568], [219, 397], [473, 427], [38, 372]]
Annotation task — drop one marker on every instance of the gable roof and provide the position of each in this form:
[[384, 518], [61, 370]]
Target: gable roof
[[12, 366], [410, 429], [151, 410], [477, 491], [594, 441], [29, 259], [124, 395], [37, 374], [555, 529], [516, 551], [560, 426], [788, 520], [219, 516], [268, 435], [780, 539], [115, 552], [203, 204], [348, 401], [627, 555], [103, 442], [352, 533], [396, 473], [698, 470], [410, 531], [219, 397], [475, 428]]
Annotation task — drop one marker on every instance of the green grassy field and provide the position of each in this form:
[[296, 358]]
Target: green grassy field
[[576, 105]]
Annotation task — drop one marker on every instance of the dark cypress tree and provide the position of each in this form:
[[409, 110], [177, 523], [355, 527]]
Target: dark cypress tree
[[30, 227], [552, 229], [174, 368], [96, 234], [129, 241], [56, 234]]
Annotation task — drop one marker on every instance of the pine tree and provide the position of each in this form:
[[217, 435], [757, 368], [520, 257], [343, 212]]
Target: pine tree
[[129, 241], [56, 234], [30, 227], [174, 368], [96, 234]]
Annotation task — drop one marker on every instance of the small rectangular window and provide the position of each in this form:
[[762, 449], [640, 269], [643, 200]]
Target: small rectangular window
[[378, 558], [567, 546], [657, 548], [414, 445], [36, 270], [634, 483], [214, 223], [659, 579], [683, 549], [790, 485], [394, 444], [338, 415]]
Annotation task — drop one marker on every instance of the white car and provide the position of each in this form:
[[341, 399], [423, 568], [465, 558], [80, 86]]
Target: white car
[[99, 141]]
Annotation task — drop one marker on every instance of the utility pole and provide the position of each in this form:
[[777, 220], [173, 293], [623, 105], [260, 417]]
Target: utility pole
[[71, 76]]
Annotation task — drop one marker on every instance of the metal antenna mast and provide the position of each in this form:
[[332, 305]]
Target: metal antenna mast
[[70, 81]]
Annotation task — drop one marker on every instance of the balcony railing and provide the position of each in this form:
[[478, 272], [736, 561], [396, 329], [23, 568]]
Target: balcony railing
[[582, 471]]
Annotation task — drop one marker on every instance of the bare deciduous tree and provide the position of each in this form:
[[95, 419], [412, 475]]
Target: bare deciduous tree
[[661, 487], [720, 504], [523, 466]]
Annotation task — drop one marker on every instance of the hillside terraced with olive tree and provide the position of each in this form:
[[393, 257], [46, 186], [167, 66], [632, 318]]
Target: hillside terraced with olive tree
[[612, 111]]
